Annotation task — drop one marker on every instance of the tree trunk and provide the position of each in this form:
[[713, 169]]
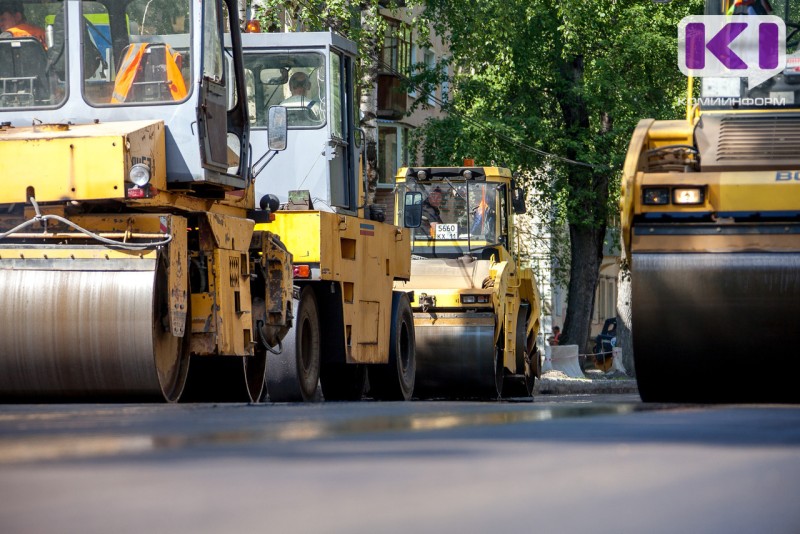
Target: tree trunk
[[586, 211], [624, 315], [586, 250]]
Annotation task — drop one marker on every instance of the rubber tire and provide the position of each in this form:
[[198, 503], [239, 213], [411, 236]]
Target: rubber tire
[[173, 376], [293, 375], [394, 381], [521, 385], [655, 386], [499, 373], [343, 381]]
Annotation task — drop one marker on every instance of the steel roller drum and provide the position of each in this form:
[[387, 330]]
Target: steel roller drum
[[716, 327], [455, 355], [86, 333]]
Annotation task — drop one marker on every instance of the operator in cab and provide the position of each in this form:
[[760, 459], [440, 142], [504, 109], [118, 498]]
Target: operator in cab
[[299, 99], [14, 24]]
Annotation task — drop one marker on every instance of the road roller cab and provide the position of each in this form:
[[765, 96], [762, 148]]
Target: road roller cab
[[711, 226], [350, 320], [125, 243], [476, 308]]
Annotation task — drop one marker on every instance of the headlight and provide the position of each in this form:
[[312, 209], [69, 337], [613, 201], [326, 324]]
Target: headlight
[[139, 174], [687, 195], [655, 195]]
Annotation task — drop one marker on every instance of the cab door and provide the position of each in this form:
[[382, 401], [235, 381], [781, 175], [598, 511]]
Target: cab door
[[343, 163], [212, 109], [222, 110]]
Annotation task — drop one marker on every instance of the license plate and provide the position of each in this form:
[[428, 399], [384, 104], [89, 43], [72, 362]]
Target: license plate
[[446, 231]]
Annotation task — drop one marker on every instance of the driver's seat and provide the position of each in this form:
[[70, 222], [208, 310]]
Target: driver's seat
[[23, 73]]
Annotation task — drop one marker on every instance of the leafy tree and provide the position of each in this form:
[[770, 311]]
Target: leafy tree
[[553, 90]]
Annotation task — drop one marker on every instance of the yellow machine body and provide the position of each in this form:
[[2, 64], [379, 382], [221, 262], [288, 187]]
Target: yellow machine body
[[362, 258], [710, 220], [127, 241], [88, 319], [476, 309], [80, 162], [710, 213]]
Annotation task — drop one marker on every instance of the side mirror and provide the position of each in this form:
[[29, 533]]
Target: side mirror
[[276, 133], [412, 212], [518, 200], [230, 88]]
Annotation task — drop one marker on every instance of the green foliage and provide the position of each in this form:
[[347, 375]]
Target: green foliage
[[571, 78], [358, 21]]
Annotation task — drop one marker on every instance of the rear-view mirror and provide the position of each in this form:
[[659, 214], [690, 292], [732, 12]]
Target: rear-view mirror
[[277, 125], [412, 212]]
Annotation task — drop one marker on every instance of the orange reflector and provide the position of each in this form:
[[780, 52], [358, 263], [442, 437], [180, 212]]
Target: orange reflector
[[469, 162], [252, 26], [302, 271]]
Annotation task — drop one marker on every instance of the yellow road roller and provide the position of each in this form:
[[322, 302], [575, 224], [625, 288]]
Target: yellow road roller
[[128, 255], [133, 264], [711, 225], [352, 326], [476, 308]]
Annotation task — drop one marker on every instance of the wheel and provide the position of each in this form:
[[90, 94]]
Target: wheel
[[499, 373], [170, 353], [395, 379], [112, 338], [293, 375], [521, 384], [227, 378], [343, 381], [654, 380]]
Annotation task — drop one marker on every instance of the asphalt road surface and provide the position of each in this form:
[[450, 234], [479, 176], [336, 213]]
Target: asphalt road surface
[[559, 464]]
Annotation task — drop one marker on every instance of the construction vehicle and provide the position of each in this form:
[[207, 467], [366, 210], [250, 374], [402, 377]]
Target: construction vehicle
[[128, 246], [350, 320], [711, 227], [476, 308]]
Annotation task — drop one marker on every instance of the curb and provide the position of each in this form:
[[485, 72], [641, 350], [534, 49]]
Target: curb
[[557, 383]]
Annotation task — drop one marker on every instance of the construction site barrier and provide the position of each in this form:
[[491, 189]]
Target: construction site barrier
[[566, 358]]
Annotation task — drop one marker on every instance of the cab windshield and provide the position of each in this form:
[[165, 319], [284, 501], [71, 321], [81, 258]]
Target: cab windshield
[[780, 91], [293, 80], [137, 51], [29, 50], [130, 52], [457, 211]]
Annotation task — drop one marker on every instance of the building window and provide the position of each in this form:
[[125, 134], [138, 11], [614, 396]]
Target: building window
[[396, 53], [412, 91], [611, 301], [600, 300], [446, 85], [430, 65], [605, 299], [392, 152]]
